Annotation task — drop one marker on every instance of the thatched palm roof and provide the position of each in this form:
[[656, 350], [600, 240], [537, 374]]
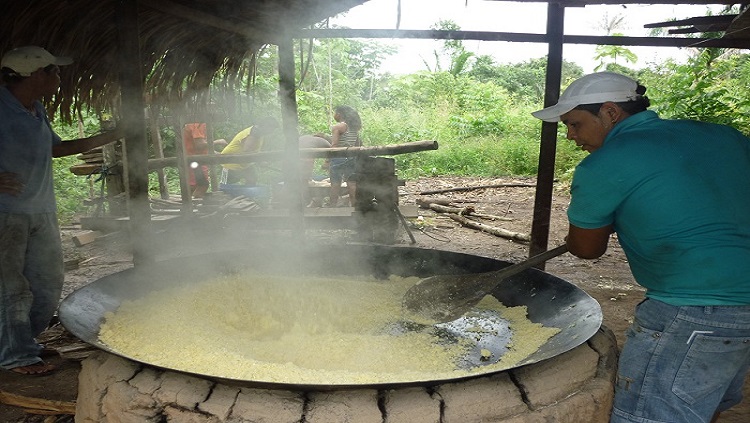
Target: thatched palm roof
[[184, 43]]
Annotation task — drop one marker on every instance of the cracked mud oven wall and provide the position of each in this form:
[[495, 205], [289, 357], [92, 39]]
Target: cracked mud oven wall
[[575, 387]]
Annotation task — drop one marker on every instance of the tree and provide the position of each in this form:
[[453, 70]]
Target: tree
[[605, 53], [524, 79], [609, 24], [610, 54], [705, 88], [329, 72], [454, 49]]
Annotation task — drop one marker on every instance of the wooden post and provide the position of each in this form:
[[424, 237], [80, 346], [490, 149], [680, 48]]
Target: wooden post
[[134, 124], [158, 151], [114, 179], [213, 176], [546, 174], [183, 167], [291, 162]]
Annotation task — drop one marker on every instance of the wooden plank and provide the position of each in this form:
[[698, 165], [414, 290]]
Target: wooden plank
[[315, 218], [699, 20], [113, 224], [76, 351], [85, 169], [38, 405], [524, 37], [90, 156], [86, 238], [740, 26]]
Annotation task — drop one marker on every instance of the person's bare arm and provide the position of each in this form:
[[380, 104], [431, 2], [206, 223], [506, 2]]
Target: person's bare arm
[[588, 243], [324, 136], [80, 145], [251, 143], [219, 144], [200, 144], [336, 131]]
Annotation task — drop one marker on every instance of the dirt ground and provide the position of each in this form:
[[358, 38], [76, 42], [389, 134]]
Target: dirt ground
[[607, 279]]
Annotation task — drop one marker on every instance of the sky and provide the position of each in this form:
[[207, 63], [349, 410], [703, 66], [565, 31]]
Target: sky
[[503, 16]]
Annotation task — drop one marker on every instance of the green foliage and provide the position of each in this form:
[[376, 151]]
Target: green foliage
[[525, 79], [71, 190], [609, 55], [709, 87], [173, 181], [341, 71], [460, 62]]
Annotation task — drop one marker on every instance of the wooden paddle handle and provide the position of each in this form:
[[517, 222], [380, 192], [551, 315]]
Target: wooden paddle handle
[[530, 262]]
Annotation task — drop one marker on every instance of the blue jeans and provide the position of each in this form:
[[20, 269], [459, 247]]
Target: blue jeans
[[341, 168], [682, 364], [31, 280]]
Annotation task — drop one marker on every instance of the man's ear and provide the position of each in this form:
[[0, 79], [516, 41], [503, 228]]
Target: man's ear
[[610, 111]]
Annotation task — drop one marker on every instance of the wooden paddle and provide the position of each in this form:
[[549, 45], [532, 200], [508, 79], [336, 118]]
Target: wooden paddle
[[443, 298]]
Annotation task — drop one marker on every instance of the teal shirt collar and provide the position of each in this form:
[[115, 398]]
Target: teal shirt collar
[[632, 121]]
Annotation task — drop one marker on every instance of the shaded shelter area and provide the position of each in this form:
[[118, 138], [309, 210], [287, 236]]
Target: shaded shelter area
[[182, 44], [129, 53]]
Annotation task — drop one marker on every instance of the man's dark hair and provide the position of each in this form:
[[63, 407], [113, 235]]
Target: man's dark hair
[[350, 116], [638, 105], [265, 125], [10, 77]]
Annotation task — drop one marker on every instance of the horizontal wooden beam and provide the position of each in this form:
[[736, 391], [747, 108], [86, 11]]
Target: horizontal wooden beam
[[699, 20], [581, 3], [740, 43], [304, 153]]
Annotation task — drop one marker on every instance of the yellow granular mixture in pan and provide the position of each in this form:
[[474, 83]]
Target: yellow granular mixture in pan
[[320, 331]]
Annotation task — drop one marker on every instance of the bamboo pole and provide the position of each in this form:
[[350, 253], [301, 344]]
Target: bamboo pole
[[384, 150]]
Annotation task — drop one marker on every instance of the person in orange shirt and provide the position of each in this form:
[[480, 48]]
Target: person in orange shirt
[[195, 142]]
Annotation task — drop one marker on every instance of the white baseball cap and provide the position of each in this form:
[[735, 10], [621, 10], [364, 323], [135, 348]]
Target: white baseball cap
[[593, 88], [26, 60]]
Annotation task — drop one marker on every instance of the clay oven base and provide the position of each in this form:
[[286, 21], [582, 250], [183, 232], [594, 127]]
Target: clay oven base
[[575, 387]]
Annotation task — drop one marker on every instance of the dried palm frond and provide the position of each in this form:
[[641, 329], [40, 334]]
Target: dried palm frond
[[185, 45]]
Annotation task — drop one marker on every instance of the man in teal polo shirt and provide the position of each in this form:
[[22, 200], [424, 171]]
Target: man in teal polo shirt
[[677, 194]]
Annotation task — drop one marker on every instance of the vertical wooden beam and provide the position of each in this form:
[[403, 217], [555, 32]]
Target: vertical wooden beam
[[289, 123], [546, 174], [153, 120], [134, 123]]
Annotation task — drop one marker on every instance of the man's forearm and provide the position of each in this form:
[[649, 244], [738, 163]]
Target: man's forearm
[[80, 145]]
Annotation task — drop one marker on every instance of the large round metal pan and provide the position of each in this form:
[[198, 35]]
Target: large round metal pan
[[550, 300]]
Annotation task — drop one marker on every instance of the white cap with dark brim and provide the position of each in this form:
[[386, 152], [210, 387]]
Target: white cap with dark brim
[[594, 88], [26, 60]]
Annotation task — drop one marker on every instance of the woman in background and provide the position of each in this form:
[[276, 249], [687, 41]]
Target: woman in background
[[345, 133]]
